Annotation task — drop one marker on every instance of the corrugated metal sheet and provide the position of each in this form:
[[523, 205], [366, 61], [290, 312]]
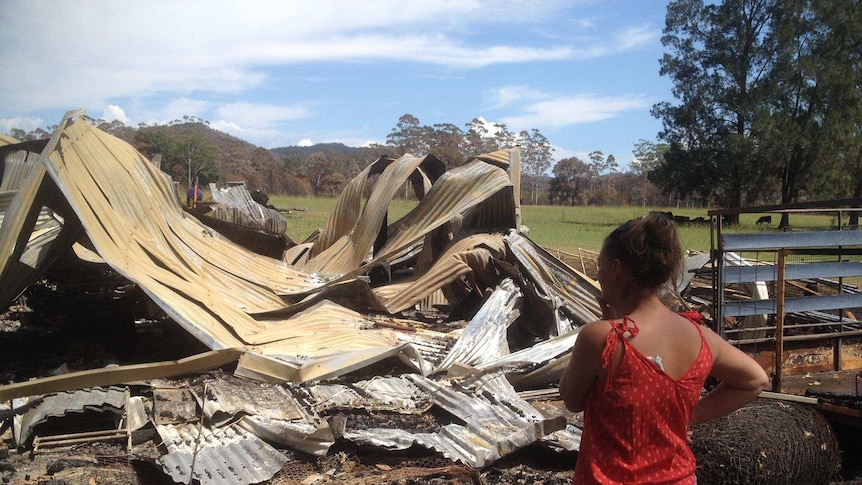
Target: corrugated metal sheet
[[563, 287], [222, 456], [468, 256], [379, 394], [237, 206], [484, 339], [272, 412], [112, 399], [498, 423], [778, 240]]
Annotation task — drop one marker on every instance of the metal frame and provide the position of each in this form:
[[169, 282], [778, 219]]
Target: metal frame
[[839, 241]]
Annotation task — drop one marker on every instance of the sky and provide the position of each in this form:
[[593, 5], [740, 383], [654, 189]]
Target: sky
[[585, 73]]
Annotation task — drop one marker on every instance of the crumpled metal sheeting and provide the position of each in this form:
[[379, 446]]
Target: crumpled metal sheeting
[[131, 215], [15, 168], [48, 238], [320, 331], [224, 456], [236, 205], [272, 412], [470, 255], [433, 346], [505, 421], [111, 399], [493, 428], [345, 213], [229, 396], [484, 338], [539, 353], [456, 192], [378, 394], [564, 287], [19, 218], [348, 252], [568, 439]]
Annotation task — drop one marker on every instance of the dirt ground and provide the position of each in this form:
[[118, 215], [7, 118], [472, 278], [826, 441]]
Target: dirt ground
[[43, 342]]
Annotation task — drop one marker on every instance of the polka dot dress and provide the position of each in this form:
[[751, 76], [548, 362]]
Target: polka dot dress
[[635, 420]]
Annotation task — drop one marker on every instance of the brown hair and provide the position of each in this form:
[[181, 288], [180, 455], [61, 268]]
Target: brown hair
[[649, 248]]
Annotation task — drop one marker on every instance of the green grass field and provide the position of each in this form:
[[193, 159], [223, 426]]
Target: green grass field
[[563, 228]]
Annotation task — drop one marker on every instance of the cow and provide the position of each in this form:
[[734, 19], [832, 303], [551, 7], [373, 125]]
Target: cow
[[765, 220]]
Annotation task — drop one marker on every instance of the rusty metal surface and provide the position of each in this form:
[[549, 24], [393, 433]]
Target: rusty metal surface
[[111, 399], [174, 406]]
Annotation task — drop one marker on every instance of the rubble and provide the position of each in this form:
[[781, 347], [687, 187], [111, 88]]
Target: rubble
[[310, 319], [431, 339]]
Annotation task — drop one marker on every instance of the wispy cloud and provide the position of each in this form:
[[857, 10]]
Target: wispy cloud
[[570, 110], [98, 51], [21, 123], [258, 115], [509, 95]]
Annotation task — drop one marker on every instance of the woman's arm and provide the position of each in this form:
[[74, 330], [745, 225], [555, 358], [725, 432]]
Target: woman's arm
[[742, 380], [585, 365]]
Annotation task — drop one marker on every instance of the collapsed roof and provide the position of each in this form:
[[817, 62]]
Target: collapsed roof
[[338, 303]]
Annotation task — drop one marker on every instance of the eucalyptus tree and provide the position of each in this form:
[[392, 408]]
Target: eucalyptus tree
[[571, 176], [536, 152], [409, 136], [718, 57]]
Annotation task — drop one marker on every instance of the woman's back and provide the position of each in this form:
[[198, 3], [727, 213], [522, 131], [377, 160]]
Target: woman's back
[[635, 423], [666, 335]]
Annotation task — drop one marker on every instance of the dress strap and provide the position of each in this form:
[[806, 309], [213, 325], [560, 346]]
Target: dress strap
[[616, 335]]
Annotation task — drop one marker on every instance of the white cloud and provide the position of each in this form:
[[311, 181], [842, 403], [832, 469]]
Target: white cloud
[[113, 112], [267, 138], [256, 115], [177, 108], [570, 110], [144, 49], [508, 95], [22, 123], [305, 142]]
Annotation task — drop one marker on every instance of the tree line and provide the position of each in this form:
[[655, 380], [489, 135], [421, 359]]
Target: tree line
[[769, 103]]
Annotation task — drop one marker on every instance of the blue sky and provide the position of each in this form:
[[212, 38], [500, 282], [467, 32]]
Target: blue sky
[[585, 73]]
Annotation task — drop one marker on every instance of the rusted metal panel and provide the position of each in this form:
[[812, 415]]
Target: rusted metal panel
[[112, 399], [851, 353], [174, 406]]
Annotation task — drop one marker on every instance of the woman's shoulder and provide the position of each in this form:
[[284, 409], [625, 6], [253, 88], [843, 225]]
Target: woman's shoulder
[[595, 331]]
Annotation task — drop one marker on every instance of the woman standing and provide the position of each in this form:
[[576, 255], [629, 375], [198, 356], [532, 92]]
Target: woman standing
[[638, 373]]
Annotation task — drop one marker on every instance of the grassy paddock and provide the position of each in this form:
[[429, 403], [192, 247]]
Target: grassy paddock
[[563, 228]]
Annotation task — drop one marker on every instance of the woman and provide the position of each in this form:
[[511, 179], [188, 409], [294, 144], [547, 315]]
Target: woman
[[638, 373]]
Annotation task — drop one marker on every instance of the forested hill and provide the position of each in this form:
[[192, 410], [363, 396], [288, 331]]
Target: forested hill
[[215, 156], [304, 151]]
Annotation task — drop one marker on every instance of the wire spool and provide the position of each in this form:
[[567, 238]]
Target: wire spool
[[767, 442]]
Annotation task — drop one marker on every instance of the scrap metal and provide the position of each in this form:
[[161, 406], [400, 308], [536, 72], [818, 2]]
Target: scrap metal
[[322, 311]]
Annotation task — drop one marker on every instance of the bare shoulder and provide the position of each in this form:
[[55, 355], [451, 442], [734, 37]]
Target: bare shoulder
[[594, 332]]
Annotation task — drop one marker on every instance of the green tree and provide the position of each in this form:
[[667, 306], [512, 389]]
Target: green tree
[[718, 57], [446, 142], [571, 175], [648, 156], [193, 157], [409, 136], [536, 153]]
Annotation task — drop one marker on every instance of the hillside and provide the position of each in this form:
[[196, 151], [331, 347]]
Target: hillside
[[233, 158], [302, 152]]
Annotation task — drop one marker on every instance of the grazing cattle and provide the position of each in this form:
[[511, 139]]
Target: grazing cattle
[[764, 220]]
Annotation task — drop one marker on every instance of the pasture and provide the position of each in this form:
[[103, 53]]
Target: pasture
[[555, 227]]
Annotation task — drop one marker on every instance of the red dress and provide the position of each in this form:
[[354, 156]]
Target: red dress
[[635, 421]]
